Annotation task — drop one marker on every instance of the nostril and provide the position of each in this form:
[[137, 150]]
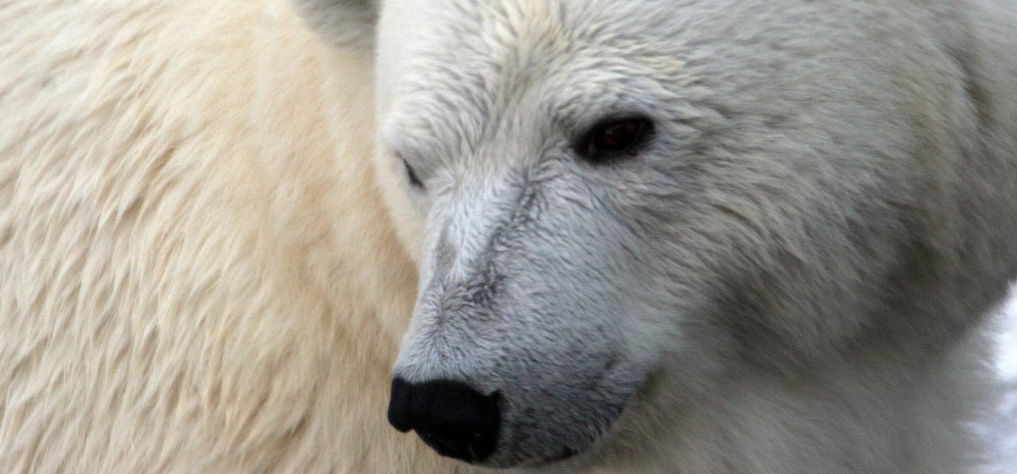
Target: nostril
[[399, 405], [449, 416]]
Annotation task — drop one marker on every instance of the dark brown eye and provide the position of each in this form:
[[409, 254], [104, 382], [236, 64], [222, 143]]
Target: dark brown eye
[[615, 138], [412, 175]]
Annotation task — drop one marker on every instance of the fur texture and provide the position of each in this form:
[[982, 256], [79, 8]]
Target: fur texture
[[195, 271], [197, 275], [788, 276]]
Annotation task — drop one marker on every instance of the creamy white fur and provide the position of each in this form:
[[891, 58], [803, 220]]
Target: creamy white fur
[[197, 272]]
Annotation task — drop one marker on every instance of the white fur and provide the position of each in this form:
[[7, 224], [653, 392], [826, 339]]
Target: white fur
[[195, 270], [789, 278], [197, 273]]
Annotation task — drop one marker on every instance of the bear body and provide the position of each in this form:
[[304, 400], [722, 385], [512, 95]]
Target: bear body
[[207, 264], [195, 274]]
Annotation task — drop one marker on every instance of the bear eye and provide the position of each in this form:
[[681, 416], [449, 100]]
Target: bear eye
[[412, 175], [614, 138]]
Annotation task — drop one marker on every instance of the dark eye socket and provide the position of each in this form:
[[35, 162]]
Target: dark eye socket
[[412, 175], [615, 138]]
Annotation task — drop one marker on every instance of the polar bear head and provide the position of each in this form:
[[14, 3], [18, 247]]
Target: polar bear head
[[620, 206]]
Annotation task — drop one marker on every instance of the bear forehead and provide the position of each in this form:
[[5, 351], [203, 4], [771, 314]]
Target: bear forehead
[[473, 65]]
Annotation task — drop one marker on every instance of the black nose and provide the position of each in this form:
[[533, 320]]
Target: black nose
[[450, 417]]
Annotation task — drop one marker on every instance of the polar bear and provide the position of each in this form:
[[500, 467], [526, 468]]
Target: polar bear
[[663, 236]]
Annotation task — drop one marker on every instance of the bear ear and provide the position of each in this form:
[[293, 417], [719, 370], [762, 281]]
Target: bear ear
[[342, 22]]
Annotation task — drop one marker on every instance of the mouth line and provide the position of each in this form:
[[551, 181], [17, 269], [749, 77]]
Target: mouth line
[[598, 433], [443, 448], [566, 453]]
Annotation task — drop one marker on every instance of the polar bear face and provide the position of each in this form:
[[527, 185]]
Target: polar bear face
[[617, 206]]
